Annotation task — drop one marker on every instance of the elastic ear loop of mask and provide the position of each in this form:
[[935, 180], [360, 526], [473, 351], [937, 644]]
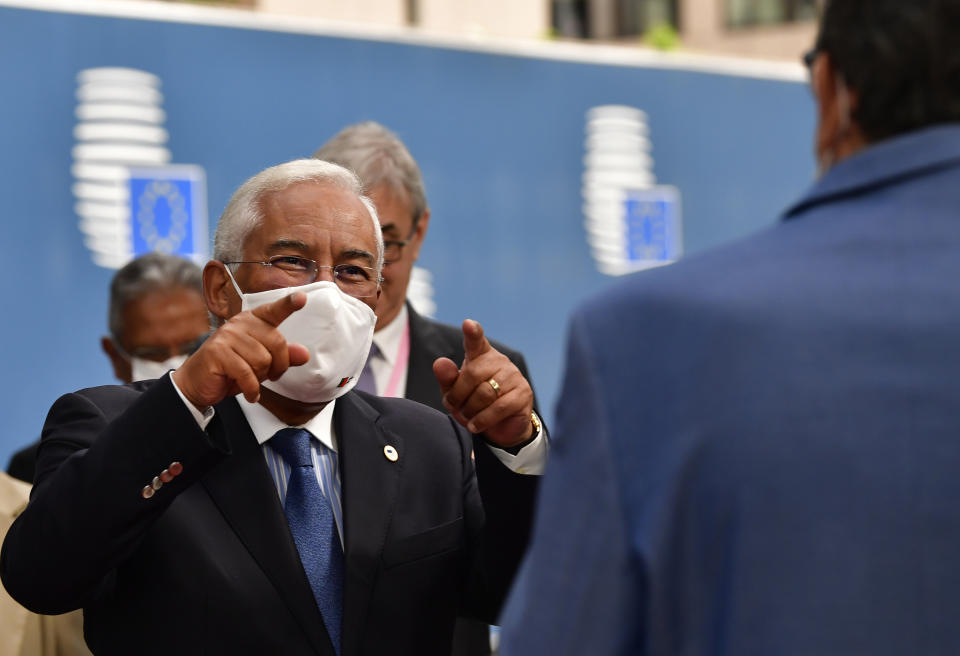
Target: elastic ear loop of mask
[[233, 280], [122, 351]]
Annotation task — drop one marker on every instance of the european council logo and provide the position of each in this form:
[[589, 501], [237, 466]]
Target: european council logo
[[168, 208], [130, 199], [654, 233], [631, 222]]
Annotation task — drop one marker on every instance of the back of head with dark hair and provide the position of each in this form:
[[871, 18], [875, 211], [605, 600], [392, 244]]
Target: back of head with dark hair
[[900, 57]]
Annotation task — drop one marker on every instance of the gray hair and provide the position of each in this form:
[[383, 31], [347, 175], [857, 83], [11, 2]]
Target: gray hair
[[379, 157], [243, 212], [147, 273]]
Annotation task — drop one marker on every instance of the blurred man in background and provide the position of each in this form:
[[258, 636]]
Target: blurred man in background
[[156, 318], [757, 449], [406, 346]]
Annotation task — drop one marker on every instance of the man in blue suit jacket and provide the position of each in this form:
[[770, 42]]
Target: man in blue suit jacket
[[758, 449]]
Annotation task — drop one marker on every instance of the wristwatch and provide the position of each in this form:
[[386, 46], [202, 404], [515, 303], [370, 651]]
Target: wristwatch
[[537, 426]]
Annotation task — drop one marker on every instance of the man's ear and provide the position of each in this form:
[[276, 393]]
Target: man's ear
[[823, 81], [218, 292], [121, 366], [836, 104], [417, 240]]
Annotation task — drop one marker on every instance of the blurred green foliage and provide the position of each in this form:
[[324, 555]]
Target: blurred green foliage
[[662, 37]]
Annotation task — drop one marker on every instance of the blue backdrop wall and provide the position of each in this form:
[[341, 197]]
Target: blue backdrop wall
[[499, 138]]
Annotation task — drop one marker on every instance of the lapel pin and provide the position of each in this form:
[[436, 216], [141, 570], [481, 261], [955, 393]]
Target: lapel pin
[[390, 453]]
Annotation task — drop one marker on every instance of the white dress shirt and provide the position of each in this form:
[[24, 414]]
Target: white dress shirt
[[389, 370]]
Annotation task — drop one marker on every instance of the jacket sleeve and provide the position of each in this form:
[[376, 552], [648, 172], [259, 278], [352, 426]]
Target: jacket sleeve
[[580, 588], [499, 507], [87, 512]]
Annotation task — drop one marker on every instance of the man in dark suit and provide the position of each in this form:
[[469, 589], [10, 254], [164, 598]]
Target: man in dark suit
[[757, 449], [406, 344], [251, 502]]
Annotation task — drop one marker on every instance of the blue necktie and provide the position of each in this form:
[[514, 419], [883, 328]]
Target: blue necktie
[[313, 527], [366, 382]]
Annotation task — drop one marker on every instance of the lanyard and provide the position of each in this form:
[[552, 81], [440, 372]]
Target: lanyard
[[400, 364]]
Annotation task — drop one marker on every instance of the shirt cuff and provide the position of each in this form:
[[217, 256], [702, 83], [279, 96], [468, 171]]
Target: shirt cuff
[[530, 460], [202, 418]]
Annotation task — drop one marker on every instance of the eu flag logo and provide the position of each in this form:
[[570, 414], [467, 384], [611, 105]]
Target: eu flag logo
[[168, 210], [652, 226]]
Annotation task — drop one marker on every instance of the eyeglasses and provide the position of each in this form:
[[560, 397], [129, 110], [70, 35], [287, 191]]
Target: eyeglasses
[[160, 353], [393, 248], [292, 271]]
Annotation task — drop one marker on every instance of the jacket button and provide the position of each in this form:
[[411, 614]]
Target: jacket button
[[176, 468], [166, 476], [157, 483], [147, 492]]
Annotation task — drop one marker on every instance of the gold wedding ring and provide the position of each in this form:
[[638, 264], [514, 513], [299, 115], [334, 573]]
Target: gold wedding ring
[[495, 385]]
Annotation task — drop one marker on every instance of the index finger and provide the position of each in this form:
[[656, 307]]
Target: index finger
[[474, 343], [274, 313]]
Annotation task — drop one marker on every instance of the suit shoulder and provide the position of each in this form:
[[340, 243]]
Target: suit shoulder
[[108, 394], [433, 328], [723, 277], [105, 399]]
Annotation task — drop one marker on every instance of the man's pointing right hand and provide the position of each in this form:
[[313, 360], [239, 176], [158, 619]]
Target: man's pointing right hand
[[244, 351]]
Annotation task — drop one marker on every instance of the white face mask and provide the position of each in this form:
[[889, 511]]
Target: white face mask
[[337, 330], [141, 369]]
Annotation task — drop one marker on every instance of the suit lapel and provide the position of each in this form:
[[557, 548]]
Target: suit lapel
[[370, 483], [425, 347], [242, 489]]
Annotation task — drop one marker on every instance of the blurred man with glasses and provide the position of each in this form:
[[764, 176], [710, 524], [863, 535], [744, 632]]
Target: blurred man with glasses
[[252, 501], [416, 357], [758, 446], [156, 318]]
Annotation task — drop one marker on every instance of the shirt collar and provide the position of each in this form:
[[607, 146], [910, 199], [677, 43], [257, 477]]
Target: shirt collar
[[265, 424], [388, 338]]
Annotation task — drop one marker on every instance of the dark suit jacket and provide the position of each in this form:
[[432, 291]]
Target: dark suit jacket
[[430, 340], [207, 565], [759, 447], [23, 463]]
